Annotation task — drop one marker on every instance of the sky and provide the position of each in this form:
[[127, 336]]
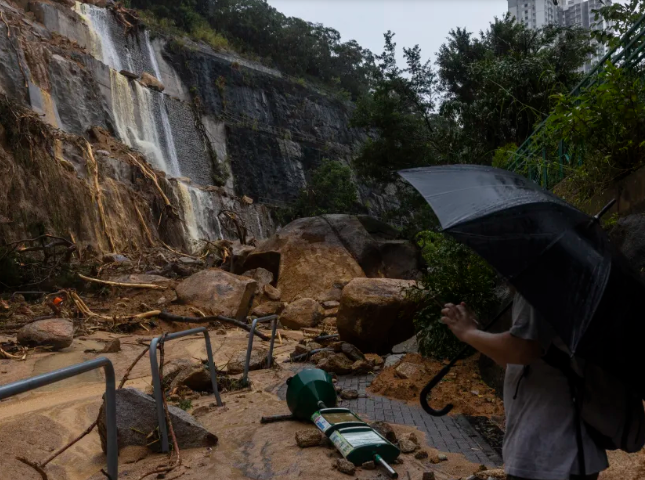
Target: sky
[[423, 22]]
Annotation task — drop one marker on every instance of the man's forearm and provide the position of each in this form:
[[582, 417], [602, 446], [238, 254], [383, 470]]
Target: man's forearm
[[503, 348]]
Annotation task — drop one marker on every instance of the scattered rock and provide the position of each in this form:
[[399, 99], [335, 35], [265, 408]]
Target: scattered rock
[[407, 446], [330, 304], [336, 363], [308, 438], [475, 393], [349, 350], [369, 465], [56, 333], [113, 346], [201, 411], [385, 430], [442, 457], [407, 370], [173, 368], [268, 308], [317, 357], [116, 258], [375, 360], [345, 466], [349, 394], [218, 292], [361, 367], [421, 455], [392, 360], [190, 261], [272, 293], [195, 377], [152, 82], [136, 416], [428, 476], [375, 313], [260, 275], [303, 313], [258, 361], [330, 313], [409, 346], [496, 474], [130, 75]]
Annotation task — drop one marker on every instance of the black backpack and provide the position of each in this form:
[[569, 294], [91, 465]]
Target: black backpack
[[613, 416]]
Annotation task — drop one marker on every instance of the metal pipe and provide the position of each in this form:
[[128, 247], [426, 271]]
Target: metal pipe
[[22, 386], [249, 348], [390, 471], [156, 380]]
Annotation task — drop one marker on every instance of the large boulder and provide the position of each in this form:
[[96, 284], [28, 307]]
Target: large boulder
[[56, 333], [375, 314], [260, 275], [218, 292], [258, 361], [303, 313], [136, 417], [152, 82], [311, 256]]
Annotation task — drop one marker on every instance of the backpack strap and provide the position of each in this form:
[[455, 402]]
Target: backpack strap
[[560, 360]]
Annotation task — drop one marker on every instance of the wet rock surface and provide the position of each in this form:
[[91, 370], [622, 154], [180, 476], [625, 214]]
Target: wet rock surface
[[137, 417], [56, 333]]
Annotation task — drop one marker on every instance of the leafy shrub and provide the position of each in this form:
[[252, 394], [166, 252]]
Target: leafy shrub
[[202, 31], [455, 274], [330, 190]]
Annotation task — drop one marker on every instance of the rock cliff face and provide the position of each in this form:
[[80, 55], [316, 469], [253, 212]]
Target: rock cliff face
[[222, 128]]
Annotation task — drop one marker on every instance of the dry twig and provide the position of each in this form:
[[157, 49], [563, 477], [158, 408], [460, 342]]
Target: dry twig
[[121, 284], [94, 168]]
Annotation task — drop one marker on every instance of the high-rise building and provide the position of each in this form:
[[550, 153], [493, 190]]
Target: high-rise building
[[579, 13], [534, 13]]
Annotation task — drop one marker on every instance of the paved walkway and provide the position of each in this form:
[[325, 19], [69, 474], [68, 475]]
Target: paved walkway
[[446, 434]]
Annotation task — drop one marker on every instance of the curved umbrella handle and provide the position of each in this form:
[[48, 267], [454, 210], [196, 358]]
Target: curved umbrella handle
[[428, 388]]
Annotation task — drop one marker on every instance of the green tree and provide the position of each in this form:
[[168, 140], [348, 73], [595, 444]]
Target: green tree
[[330, 190], [454, 274]]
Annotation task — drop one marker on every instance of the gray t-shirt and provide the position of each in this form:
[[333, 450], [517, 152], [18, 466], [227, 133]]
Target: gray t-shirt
[[540, 441]]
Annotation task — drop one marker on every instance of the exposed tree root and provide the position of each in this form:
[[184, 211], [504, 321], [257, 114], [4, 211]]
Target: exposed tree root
[[121, 284], [94, 169]]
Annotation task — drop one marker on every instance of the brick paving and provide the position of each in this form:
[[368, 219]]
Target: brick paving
[[446, 434]]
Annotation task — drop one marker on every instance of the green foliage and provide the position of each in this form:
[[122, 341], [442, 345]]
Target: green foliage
[[503, 155], [455, 274], [185, 404], [622, 17], [330, 190], [256, 29], [604, 125]]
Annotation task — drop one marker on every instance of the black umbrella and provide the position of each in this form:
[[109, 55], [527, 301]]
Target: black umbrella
[[556, 256]]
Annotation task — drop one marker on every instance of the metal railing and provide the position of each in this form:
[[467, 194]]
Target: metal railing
[[156, 380], [249, 349], [545, 162], [22, 386]]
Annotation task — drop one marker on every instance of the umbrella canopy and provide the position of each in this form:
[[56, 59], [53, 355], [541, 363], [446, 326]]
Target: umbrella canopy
[[556, 256]]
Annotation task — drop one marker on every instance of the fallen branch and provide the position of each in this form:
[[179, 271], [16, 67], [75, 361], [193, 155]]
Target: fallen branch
[[99, 195], [148, 172], [70, 444], [129, 370], [121, 284], [35, 466], [143, 223], [169, 317]]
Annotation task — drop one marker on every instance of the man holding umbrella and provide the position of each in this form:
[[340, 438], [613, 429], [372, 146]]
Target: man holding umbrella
[[540, 441], [579, 304]]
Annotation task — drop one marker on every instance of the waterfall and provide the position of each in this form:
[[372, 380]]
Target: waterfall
[[103, 46], [200, 210]]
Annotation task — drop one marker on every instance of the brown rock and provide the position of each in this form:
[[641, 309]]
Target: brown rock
[[133, 454], [349, 394], [268, 308], [56, 333], [195, 377], [218, 292], [330, 313], [336, 363], [428, 476], [369, 465], [360, 367], [130, 75], [258, 361], [317, 357], [345, 466], [349, 350], [385, 430], [311, 259], [407, 370], [421, 455], [151, 82], [308, 438], [375, 314], [407, 446], [331, 304], [303, 313], [375, 360], [272, 293], [497, 474], [260, 275], [112, 346]]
